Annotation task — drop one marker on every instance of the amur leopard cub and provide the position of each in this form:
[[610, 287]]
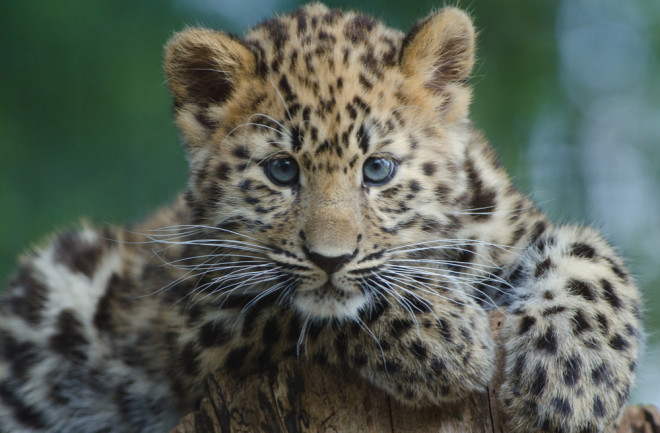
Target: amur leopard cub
[[341, 209]]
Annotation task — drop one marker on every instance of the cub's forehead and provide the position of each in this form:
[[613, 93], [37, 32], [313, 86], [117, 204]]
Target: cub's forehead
[[315, 34], [329, 68]]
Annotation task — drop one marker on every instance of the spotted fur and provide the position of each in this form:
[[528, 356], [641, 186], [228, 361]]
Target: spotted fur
[[291, 242]]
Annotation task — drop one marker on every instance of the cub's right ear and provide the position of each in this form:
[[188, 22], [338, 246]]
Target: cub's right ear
[[204, 66]]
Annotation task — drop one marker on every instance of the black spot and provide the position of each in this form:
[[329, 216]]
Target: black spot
[[378, 308], [399, 327], [465, 254], [103, 319], [542, 268], [28, 304], [391, 366], [58, 395], [538, 385], [359, 360], [315, 328], [213, 334], [600, 374], [251, 319], [548, 295], [189, 359], [517, 235], [582, 250], [525, 324], [517, 275], [69, 340], [562, 406], [285, 88], [24, 413], [537, 231], [294, 328], [430, 225], [437, 366], [572, 370], [352, 112], [391, 191], [617, 270], [429, 168], [236, 358], [296, 139], [77, 254], [465, 332], [222, 171], [271, 332], [581, 288], [482, 201], [548, 341], [445, 330], [519, 366], [240, 151], [203, 117], [553, 310], [580, 323], [603, 323], [610, 294], [617, 342], [599, 407], [417, 302], [591, 343], [419, 350], [22, 355], [363, 139], [414, 186], [365, 83]]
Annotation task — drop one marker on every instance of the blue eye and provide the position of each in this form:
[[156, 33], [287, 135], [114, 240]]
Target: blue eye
[[282, 171], [378, 171]]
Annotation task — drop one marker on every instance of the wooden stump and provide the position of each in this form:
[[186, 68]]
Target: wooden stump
[[302, 397]]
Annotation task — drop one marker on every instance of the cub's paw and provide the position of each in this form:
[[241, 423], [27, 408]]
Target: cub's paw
[[442, 354], [553, 383]]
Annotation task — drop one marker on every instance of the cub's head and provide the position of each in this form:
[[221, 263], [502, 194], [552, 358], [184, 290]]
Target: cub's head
[[324, 149]]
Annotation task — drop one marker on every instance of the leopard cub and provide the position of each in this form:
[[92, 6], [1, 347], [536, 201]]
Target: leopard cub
[[341, 209]]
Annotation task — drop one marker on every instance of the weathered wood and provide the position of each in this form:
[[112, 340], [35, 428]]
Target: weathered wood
[[306, 398]]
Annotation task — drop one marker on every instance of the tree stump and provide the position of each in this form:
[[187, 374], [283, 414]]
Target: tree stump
[[303, 397]]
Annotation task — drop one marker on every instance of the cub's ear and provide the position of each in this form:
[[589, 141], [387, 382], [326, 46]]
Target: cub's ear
[[440, 48], [438, 52], [205, 66]]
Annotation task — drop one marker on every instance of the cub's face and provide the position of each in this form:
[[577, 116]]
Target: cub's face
[[325, 149]]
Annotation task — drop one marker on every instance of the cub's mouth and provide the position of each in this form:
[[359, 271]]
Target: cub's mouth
[[330, 301]]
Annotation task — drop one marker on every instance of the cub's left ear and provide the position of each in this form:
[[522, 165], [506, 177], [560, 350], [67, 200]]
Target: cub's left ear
[[439, 50]]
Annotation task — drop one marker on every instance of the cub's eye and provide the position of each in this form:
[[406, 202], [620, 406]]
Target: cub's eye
[[378, 171], [282, 171]]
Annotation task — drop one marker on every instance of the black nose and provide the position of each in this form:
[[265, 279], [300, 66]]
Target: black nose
[[328, 264]]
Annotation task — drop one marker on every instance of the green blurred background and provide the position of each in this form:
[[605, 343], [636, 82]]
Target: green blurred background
[[567, 91]]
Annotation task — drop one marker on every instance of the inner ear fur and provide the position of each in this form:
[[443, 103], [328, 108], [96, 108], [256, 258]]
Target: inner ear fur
[[440, 49], [205, 66]]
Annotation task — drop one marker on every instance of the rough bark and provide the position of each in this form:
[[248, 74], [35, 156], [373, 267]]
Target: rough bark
[[301, 397]]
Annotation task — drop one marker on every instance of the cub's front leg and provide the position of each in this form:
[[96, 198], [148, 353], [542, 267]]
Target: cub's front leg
[[572, 335], [422, 351]]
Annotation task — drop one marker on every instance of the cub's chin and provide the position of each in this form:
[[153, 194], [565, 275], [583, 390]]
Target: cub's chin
[[328, 301]]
